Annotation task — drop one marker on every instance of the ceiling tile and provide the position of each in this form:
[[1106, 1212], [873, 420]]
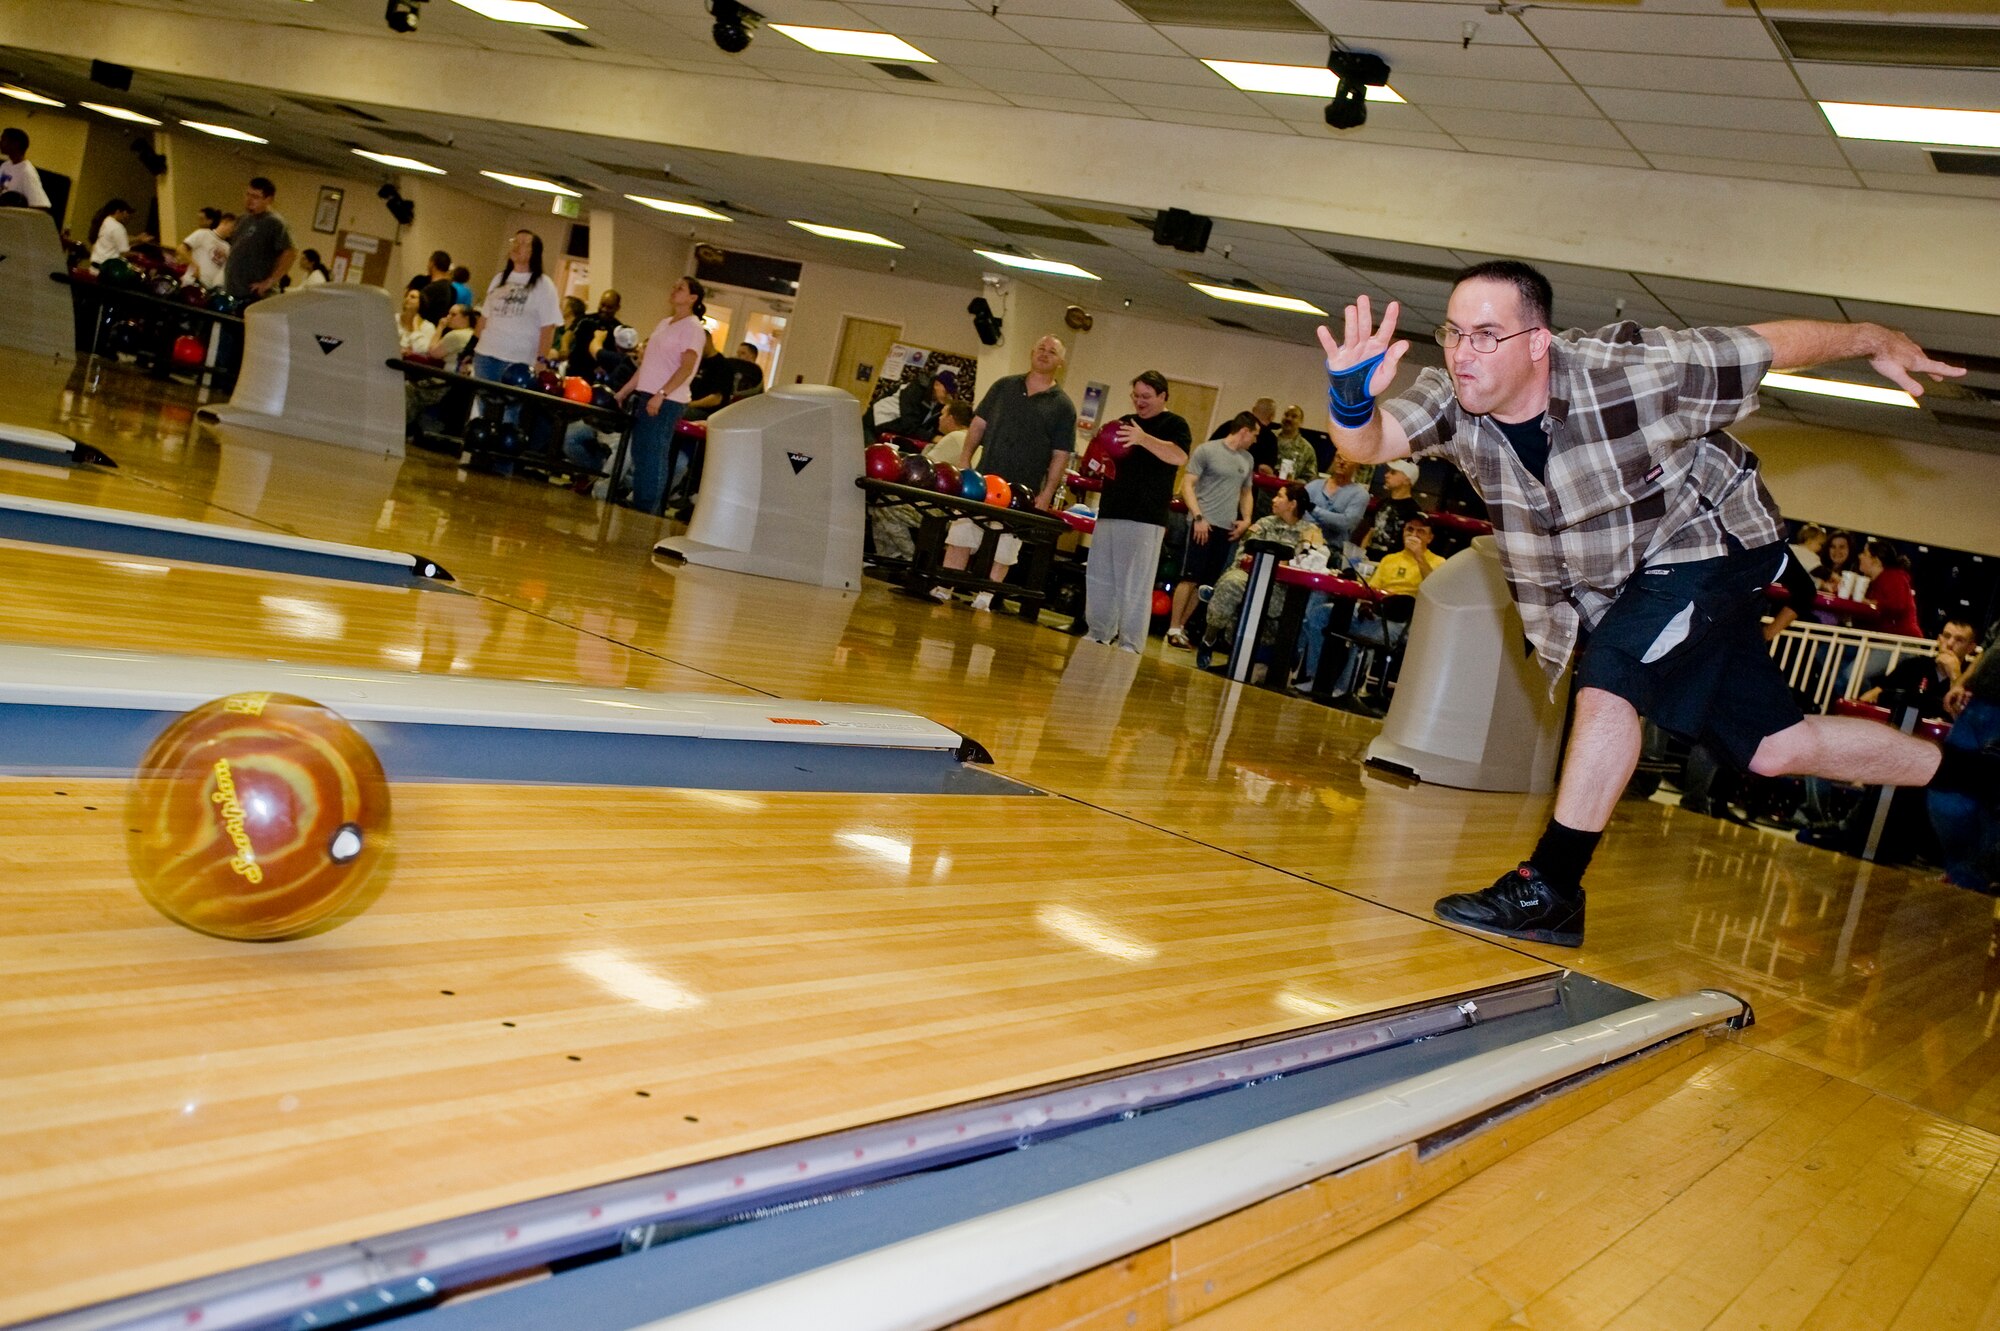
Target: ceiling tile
[[1970, 187], [1902, 158], [1675, 73], [914, 25], [1090, 106], [1798, 175], [1221, 99], [1434, 90], [1619, 29], [1586, 132], [1354, 20], [1709, 109], [1967, 89], [1271, 48], [1525, 64], [1735, 144], [1260, 124], [1553, 152], [1087, 35], [1170, 71], [1066, 83], [973, 57]]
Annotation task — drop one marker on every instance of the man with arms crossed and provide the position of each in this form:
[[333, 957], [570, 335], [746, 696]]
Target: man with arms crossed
[[1636, 536]]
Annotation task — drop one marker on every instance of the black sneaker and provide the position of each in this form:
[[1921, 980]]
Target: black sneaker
[[1521, 904]]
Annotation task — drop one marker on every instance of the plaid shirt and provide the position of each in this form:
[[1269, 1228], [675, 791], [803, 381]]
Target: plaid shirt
[[1640, 469]]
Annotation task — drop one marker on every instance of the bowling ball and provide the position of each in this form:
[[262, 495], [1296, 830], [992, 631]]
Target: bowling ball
[[603, 397], [576, 389], [508, 439], [189, 351], [257, 817], [480, 432], [916, 470], [998, 492], [1163, 603], [548, 381], [83, 272], [517, 375], [117, 273], [882, 462], [164, 287], [972, 485], [194, 296], [1022, 497], [944, 478], [225, 304]]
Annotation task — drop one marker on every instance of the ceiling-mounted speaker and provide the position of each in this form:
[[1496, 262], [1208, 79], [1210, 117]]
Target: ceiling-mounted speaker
[[1183, 230], [117, 77], [985, 323]]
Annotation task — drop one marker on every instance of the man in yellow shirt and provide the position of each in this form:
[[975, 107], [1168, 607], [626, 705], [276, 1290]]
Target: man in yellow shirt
[[1401, 574]]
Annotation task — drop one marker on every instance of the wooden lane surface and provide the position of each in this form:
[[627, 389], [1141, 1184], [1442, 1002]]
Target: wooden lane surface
[[1883, 975], [1753, 1193], [763, 966]]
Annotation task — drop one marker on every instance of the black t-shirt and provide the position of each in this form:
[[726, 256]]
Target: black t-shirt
[[1915, 683], [581, 362], [713, 377], [1387, 538], [1144, 488], [1531, 444], [749, 375]]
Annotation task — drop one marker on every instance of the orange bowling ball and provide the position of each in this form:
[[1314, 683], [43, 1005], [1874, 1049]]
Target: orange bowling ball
[[999, 492], [259, 816]]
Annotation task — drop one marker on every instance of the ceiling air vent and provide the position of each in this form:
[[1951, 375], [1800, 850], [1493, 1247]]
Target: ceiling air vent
[[1245, 15], [1072, 212], [1965, 164], [1926, 45], [1963, 421], [412, 136], [1039, 230], [1368, 263], [907, 73], [1230, 323], [338, 110], [568, 38]]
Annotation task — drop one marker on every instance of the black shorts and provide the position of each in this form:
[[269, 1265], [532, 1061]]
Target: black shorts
[[1205, 561], [1683, 643]]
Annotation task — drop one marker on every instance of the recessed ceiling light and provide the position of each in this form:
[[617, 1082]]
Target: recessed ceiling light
[[119, 113], [531, 12], [1799, 383], [1291, 80], [842, 233], [683, 209], [1050, 266], [531, 182], [1914, 124], [23, 95], [223, 131], [400, 163], [847, 41], [1269, 302]]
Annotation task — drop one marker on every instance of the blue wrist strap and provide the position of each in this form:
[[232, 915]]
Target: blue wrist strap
[[1347, 395]]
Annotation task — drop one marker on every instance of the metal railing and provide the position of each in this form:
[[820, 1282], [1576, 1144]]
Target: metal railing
[[1825, 662]]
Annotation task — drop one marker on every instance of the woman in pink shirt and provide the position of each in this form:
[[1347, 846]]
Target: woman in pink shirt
[[662, 379]]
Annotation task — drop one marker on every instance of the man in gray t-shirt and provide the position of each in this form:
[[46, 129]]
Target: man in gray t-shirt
[[260, 250], [1215, 486], [1027, 426]]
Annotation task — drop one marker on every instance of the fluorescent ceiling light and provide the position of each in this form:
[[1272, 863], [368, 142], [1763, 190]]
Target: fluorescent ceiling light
[[1799, 383], [223, 131], [400, 163], [1050, 266], [530, 12], [1914, 124], [684, 209], [1269, 302], [1291, 80], [119, 113], [531, 182], [847, 41], [842, 233], [23, 95]]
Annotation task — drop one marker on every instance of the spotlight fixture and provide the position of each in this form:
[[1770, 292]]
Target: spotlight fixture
[[400, 208], [734, 23], [1358, 71], [985, 323], [401, 15]]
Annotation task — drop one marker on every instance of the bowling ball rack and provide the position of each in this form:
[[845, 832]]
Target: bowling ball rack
[[525, 459], [1039, 534]]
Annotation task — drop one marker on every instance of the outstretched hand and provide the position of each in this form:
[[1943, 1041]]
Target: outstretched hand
[[1361, 340], [1899, 359]]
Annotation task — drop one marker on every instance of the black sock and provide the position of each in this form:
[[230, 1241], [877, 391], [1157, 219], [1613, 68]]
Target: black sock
[[1563, 854], [1968, 771]]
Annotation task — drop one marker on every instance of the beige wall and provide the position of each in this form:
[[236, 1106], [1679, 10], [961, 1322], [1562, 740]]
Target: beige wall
[[109, 169], [471, 230], [931, 315], [644, 263], [204, 171], [56, 142], [1880, 485]]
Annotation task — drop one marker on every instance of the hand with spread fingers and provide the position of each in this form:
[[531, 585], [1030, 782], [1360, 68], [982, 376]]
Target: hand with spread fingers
[[1899, 359], [1361, 363]]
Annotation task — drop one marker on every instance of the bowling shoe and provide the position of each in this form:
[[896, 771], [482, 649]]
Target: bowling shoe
[[1521, 904]]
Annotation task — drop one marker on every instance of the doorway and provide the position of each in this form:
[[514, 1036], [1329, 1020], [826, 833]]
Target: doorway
[[1193, 403], [864, 345]]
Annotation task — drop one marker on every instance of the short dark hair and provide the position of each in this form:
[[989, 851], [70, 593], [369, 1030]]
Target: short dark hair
[[440, 259], [1296, 492], [1538, 298], [1962, 622], [958, 408], [1243, 420], [461, 274], [1890, 556], [15, 134], [755, 349], [1419, 520], [1154, 380], [264, 187]]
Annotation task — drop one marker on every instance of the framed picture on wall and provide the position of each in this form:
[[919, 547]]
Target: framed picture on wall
[[326, 216]]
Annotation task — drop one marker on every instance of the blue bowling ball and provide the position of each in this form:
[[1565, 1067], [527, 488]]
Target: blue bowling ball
[[479, 434], [508, 440], [601, 396], [518, 375], [972, 485]]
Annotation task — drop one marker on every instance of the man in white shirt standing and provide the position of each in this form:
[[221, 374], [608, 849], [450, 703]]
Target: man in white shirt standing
[[17, 173]]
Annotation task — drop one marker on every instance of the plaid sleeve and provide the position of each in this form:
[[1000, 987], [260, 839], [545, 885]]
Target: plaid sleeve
[[1422, 411], [1720, 368]]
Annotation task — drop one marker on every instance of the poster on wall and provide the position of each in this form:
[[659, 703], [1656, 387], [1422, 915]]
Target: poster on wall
[[905, 362], [326, 214], [1087, 412]]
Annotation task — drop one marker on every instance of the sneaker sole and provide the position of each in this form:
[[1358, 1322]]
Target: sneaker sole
[[1552, 937]]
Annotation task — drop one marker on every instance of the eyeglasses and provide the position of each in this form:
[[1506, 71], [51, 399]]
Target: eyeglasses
[[1482, 341]]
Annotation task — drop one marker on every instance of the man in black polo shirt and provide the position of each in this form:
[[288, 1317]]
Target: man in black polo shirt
[[1132, 517], [592, 338], [1923, 681], [1027, 425]]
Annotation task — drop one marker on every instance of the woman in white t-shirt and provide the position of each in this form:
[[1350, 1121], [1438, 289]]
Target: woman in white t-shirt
[[413, 331], [207, 247], [521, 312], [107, 232], [663, 379]]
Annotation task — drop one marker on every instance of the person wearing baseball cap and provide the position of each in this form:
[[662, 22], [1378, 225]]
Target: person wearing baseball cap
[[1399, 505]]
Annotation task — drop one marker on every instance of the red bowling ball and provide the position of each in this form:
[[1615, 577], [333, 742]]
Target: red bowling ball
[[882, 462], [944, 478]]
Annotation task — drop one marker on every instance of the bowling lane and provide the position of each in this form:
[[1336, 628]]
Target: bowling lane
[[761, 966], [57, 597]]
